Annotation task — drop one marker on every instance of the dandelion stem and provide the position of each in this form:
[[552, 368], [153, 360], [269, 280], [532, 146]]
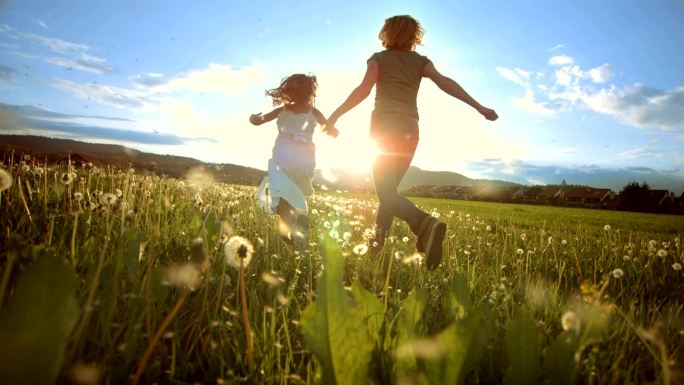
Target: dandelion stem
[[387, 279], [245, 317], [157, 337], [73, 241], [11, 257]]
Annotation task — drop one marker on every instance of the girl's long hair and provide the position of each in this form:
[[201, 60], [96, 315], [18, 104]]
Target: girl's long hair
[[297, 88], [402, 33]]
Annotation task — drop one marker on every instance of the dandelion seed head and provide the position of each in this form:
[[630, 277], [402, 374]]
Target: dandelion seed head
[[66, 178], [662, 253], [238, 251], [85, 374], [272, 279], [606, 228], [570, 321], [118, 192], [676, 266], [564, 242], [185, 276], [416, 259], [405, 239], [108, 198], [617, 273], [5, 180], [520, 252], [523, 236], [360, 249]]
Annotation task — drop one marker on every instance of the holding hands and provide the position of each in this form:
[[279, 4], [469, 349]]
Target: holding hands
[[329, 128]]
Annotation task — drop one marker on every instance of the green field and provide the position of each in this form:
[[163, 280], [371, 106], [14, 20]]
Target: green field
[[135, 287]]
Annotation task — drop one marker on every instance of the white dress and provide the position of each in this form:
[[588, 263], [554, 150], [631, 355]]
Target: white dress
[[291, 167]]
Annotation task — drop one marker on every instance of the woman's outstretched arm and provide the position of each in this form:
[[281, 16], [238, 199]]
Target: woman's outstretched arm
[[359, 93], [452, 88]]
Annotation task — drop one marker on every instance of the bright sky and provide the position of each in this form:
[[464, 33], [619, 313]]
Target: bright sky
[[578, 85]]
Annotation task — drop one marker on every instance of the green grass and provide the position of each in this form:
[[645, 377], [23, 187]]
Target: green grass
[[501, 261]]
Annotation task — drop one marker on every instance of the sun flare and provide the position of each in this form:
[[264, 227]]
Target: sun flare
[[353, 153]]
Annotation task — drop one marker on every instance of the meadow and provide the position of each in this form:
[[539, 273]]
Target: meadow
[[112, 277]]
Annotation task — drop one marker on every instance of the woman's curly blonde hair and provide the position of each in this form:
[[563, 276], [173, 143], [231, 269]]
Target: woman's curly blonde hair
[[401, 32], [297, 88]]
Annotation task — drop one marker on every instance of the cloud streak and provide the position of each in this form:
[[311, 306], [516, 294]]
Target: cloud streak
[[573, 88], [30, 119], [71, 55], [591, 175]]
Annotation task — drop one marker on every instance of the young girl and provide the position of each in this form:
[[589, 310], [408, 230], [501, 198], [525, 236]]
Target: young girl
[[291, 168], [397, 72]]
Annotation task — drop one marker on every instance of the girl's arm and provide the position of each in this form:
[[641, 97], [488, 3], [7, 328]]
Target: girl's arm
[[323, 122], [452, 88], [258, 119], [359, 93]]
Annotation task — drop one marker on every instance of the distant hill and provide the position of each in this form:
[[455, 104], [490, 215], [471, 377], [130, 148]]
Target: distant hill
[[339, 179], [120, 156], [56, 150]]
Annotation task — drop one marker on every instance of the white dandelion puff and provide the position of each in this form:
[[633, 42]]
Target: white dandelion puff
[[405, 239], [5, 180], [570, 321], [662, 253], [360, 249], [185, 275], [520, 252], [272, 279], [606, 227], [523, 236], [66, 178], [617, 273], [108, 198], [238, 252], [676, 266], [416, 258]]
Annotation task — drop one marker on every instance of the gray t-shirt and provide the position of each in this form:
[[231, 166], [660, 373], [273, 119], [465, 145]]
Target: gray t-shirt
[[400, 73]]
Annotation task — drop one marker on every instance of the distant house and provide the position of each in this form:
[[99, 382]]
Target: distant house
[[541, 194], [587, 197], [658, 201], [498, 194]]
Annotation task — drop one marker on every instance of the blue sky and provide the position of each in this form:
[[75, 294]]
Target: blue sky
[[583, 88]]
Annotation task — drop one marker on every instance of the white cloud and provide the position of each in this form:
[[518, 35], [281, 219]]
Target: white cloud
[[528, 103], [640, 106], [560, 60], [73, 55], [516, 76], [556, 47], [601, 74], [41, 23], [108, 95], [574, 88], [214, 78]]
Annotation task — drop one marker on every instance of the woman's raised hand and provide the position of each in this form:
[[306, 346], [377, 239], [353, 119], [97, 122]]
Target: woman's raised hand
[[488, 113]]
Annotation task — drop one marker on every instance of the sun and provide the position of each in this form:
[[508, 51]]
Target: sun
[[352, 152]]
